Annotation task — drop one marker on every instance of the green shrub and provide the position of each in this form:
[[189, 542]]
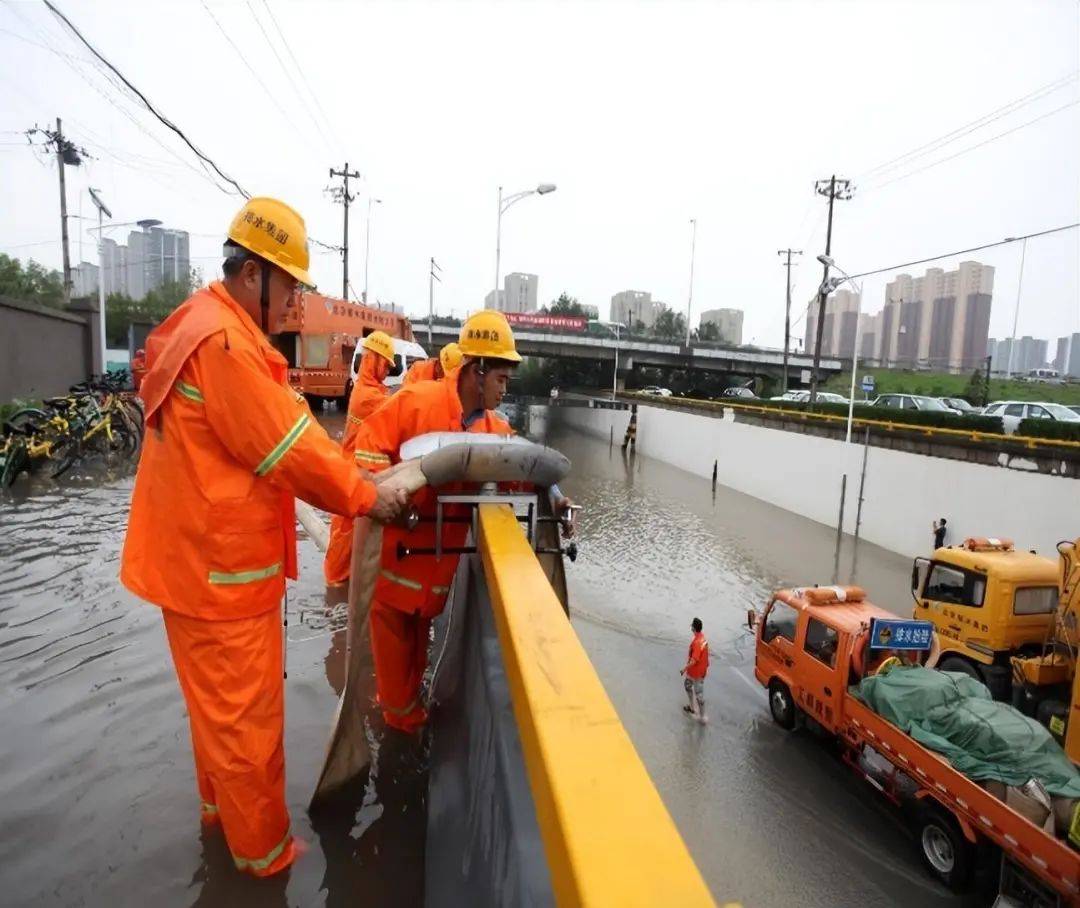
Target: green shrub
[[1049, 428], [929, 418]]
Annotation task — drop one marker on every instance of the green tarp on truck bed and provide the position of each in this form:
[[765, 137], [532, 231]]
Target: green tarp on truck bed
[[954, 715]]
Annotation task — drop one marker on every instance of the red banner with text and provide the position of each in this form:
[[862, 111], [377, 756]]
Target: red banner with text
[[540, 320]]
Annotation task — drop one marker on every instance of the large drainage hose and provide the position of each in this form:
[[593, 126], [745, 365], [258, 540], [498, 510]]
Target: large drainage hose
[[436, 461]]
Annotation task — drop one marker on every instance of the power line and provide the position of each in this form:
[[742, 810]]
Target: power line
[[949, 255], [964, 151], [288, 76], [300, 70], [165, 120], [979, 123]]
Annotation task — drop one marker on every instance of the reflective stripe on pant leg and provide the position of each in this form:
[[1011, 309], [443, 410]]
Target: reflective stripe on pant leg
[[231, 672]]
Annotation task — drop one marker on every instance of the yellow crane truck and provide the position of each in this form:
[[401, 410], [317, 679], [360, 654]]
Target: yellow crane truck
[[1009, 618]]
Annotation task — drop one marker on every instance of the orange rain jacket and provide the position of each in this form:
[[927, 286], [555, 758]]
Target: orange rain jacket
[[418, 583], [212, 529], [423, 370], [698, 657], [367, 395]]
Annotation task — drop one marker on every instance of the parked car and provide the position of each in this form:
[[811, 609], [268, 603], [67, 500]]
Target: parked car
[[961, 405], [1075, 408], [913, 402], [740, 393], [803, 396], [656, 391], [1012, 411]]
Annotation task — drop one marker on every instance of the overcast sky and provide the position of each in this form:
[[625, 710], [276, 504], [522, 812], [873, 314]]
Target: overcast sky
[[644, 114]]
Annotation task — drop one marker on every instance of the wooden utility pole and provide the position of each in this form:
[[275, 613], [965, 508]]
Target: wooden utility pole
[[787, 310], [63, 214], [832, 189], [432, 278], [342, 194]]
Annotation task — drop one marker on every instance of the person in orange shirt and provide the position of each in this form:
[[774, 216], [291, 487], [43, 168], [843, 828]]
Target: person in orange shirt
[[138, 368], [211, 535], [367, 394], [410, 591], [435, 368], [697, 666]]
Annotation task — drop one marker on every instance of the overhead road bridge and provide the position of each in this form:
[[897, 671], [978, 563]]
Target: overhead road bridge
[[634, 353]]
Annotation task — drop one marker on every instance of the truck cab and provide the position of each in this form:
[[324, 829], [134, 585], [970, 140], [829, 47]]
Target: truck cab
[[988, 603], [808, 650]]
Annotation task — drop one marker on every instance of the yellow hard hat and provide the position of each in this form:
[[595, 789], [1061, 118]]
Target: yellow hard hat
[[487, 334], [275, 232], [381, 343], [450, 357]]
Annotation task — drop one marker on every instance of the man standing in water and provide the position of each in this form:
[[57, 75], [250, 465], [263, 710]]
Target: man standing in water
[[212, 532], [697, 665]]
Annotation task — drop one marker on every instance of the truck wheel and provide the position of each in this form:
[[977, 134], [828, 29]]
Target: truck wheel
[[961, 665], [781, 705], [945, 851], [343, 401], [314, 402]]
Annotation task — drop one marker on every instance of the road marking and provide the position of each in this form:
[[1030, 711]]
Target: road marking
[[754, 687]]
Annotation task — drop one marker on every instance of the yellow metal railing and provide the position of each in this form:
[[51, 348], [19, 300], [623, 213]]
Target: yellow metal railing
[[607, 836], [967, 434]]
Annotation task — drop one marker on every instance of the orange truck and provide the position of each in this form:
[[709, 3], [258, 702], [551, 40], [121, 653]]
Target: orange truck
[[811, 646], [318, 335]]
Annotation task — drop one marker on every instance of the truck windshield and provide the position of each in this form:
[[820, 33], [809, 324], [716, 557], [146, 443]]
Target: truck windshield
[[1035, 600], [780, 622]]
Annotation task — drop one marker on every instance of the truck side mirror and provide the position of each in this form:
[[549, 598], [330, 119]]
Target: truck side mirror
[[920, 569], [751, 618]]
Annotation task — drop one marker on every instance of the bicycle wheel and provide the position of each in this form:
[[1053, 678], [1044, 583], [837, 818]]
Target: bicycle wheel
[[62, 457], [25, 421], [15, 461]]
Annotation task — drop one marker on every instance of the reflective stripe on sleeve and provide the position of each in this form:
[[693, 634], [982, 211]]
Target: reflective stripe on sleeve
[[222, 578], [372, 457], [403, 581], [189, 391], [355, 419], [262, 863], [283, 446]]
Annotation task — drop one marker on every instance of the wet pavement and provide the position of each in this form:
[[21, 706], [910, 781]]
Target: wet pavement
[[96, 781]]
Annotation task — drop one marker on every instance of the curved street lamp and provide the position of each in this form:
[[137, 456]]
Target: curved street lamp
[[504, 203]]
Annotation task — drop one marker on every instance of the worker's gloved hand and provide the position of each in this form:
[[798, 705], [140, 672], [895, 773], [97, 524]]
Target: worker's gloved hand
[[566, 511], [388, 503]]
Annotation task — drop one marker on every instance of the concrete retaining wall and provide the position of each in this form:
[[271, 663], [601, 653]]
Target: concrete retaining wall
[[903, 494], [43, 351]]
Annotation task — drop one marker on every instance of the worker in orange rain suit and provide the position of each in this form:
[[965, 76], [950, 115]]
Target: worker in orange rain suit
[[211, 536], [410, 591], [366, 396], [434, 369]]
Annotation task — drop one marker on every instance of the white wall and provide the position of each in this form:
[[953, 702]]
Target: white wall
[[904, 492]]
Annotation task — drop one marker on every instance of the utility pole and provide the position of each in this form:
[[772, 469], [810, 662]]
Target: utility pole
[[832, 189], [787, 311], [63, 214], [102, 212], [432, 278], [342, 194]]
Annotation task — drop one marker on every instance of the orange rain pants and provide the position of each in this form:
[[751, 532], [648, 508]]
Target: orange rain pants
[[399, 646], [231, 675]]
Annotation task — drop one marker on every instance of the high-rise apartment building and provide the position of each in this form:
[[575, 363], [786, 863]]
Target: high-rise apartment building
[[1061, 355], [634, 308], [495, 300], [153, 256], [84, 279], [1072, 366], [838, 333], [729, 321], [519, 292]]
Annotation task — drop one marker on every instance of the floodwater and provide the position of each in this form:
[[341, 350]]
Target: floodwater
[[97, 798]]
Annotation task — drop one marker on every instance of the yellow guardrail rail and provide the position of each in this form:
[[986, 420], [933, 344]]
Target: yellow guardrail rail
[[967, 434], [607, 836]]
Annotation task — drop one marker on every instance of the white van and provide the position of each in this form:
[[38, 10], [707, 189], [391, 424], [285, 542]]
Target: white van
[[405, 354]]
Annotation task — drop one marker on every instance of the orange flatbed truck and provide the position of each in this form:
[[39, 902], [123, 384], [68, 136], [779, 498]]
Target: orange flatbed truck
[[811, 646]]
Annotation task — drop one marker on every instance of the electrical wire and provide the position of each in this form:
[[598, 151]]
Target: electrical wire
[[150, 107], [972, 126], [964, 151], [303, 76], [292, 82]]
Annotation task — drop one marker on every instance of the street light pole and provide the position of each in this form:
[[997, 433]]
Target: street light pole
[[101, 210], [690, 295], [504, 204], [432, 278], [615, 373], [367, 245], [1016, 313]]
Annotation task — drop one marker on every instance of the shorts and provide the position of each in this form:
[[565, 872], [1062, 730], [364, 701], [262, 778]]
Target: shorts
[[697, 685]]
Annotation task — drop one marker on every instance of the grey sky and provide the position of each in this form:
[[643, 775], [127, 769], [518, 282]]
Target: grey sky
[[645, 115]]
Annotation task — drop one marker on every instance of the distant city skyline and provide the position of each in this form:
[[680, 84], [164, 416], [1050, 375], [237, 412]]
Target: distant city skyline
[[151, 257]]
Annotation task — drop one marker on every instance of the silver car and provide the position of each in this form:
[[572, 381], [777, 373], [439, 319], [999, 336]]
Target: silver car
[[1013, 411], [913, 402]]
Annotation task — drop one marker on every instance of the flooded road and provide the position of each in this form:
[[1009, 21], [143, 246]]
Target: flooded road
[[96, 780]]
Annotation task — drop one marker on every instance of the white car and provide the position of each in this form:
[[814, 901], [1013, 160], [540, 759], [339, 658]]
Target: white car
[[913, 402], [826, 397], [656, 391], [1013, 411], [406, 353]]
